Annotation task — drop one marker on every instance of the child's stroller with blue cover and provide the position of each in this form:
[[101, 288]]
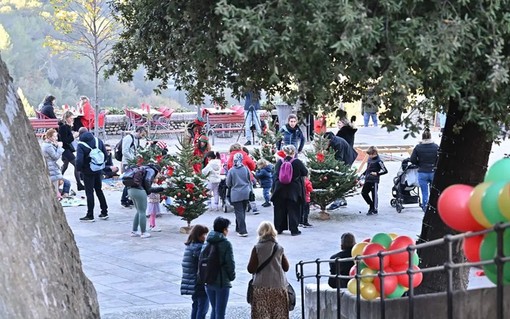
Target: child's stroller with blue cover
[[405, 188]]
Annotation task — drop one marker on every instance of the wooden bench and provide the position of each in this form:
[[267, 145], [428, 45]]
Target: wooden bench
[[227, 123], [381, 149], [40, 126]]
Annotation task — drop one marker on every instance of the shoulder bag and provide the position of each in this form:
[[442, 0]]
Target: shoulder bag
[[249, 293]]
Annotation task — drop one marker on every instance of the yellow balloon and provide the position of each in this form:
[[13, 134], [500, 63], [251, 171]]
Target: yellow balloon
[[357, 250], [368, 291], [351, 286], [504, 201], [475, 204], [393, 235], [367, 271]]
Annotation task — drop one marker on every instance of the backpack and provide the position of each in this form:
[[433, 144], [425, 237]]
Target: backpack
[[96, 156], [286, 172], [209, 264], [117, 151], [133, 176]]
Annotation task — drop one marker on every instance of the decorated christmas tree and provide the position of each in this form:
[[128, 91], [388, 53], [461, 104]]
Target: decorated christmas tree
[[267, 147], [155, 153], [331, 179], [187, 189]]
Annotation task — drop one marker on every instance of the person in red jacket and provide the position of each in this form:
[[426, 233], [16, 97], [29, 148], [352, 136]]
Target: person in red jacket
[[305, 210], [247, 160], [87, 120]]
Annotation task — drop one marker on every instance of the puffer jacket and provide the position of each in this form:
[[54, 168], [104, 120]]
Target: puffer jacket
[[228, 267], [190, 269], [425, 156], [291, 136], [213, 168], [265, 176], [52, 154]]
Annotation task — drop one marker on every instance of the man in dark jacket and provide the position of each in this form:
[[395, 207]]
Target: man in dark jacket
[[342, 267], [425, 156], [91, 179]]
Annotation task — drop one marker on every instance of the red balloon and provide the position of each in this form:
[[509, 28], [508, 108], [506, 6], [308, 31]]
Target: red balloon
[[453, 207], [471, 247], [373, 262], [390, 282], [399, 243], [352, 272], [403, 280]]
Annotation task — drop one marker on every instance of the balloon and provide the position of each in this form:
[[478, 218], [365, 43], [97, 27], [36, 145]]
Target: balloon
[[490, 272], [398, 243], [368, 291], [416, 259], [352, 271], [373, 262], [471, 247], [403, 279], [367, 271], [399, 291], [383, 239], [490, 205], [504, 201], [475, 204], [390, 282], [499, 171], [357, 250], [366, 240], [393, 235], [351, 286], [454, 210], [488, 251]]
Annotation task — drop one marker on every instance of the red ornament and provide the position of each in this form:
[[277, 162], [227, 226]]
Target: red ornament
[[180, 210], [320, 157], [189, 187], [178, 194], [139, 161], [159, 158], [169, 170]]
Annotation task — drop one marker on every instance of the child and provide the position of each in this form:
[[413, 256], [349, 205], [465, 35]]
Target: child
[[375, 168], [305, 210], [153, 209], [265, 176], [213, 170]]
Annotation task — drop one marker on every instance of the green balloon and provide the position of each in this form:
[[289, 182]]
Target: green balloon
[[488, 251], [362, 265], [416, 259], [399, 291], [490, 204], [382, 239], [499, 171], [490, 272]]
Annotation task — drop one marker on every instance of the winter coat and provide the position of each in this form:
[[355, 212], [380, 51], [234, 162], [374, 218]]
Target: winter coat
[[87, 120], [343, 267], [374, 165], [273, 275], [82, 153], [291, 136], [213, 168], [293, 191], [227, 273], [65, 135], [48, 110], [343, 151], [247, 160], [129, 145], [265, 176], [190, 269], [347, 132], [52, 154], [239, 182], [425, 156]]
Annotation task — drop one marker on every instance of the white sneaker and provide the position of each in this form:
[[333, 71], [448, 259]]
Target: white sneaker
[[145, 235], [135, 234], [155, 229]]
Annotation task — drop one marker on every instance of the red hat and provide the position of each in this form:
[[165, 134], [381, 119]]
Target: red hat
[[281, 154], [162, 145]]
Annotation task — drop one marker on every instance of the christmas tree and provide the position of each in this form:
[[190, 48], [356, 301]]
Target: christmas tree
[[267, 147], [331, 179], [187, 189]]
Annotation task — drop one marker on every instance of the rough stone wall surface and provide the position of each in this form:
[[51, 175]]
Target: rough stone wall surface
[[41, 273]]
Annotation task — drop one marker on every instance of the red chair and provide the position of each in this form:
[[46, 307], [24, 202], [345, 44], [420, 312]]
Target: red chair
[[40, 115], [134, 120]]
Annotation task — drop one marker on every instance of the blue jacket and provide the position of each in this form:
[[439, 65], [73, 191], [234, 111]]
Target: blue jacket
[[265, 176], [252, 99], [292, 136], [82, 153], [228, 266], [190, 269]]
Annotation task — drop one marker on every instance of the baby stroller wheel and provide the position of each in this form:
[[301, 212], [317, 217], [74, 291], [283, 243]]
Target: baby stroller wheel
[[393, 202], [399, 206]]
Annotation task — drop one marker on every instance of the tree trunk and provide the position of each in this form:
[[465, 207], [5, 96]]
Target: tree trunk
[[463, 158], [96, 95], [41, 273]]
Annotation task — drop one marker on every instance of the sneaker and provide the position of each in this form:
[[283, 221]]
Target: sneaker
[[333, 206], [103, 216], [247, 143], [155, 229], [145, 235], [306, 225], [256, 212], [87, 219], [72, 193], [125, 204], [248, 209], [242, 235], [371, 212], [342, 203], [135, 234], [296, 234], [266, 204]]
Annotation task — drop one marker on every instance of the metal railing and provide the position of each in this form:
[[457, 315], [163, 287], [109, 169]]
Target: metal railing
[[448, 267]]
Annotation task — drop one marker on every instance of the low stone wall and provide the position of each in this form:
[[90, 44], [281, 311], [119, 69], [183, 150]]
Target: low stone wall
[[468, 304], [116, 124]]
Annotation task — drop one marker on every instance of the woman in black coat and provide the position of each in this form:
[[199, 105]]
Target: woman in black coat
[[66, 135], [288, 198]]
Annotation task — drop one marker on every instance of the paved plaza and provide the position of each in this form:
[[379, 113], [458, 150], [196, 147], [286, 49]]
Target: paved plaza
[[140, 278]]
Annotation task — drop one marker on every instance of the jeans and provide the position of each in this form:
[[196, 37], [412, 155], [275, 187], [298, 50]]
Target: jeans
[[265, 192], [200, 305], [66, 187], [424, 180], [93, 183], [218, 297], [367, 116], [251, 117]]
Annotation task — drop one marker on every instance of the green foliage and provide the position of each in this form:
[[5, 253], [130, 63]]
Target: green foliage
[[267, 148]]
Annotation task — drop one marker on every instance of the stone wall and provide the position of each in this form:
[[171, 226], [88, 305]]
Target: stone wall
[[116, 124]]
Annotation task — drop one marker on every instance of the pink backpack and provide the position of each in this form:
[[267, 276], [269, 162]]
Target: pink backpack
[[286, 172]]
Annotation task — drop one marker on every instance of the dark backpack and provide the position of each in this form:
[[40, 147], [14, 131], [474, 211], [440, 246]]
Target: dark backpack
[[133, 176], [117, 152], [209, 264], [286, 172]]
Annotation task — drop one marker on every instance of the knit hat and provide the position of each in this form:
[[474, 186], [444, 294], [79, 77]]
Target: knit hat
[[238, 159], [162, 145]]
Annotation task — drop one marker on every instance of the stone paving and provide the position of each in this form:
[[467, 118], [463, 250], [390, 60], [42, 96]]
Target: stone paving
[[140, 278]]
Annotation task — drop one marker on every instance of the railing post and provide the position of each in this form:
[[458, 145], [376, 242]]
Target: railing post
[[318, 276], [410, 252], [381, 280], [449, 269], [300, 277], [499, 269], [358, 288]]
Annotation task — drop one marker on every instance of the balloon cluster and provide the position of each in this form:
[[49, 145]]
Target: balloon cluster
[[394, 285], [466, 208]]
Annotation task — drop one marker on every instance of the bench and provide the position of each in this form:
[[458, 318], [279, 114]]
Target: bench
[[227, 123], [381, 149], [40, 126]]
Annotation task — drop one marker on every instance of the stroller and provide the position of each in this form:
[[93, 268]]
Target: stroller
[[224, 196], [405, 188]]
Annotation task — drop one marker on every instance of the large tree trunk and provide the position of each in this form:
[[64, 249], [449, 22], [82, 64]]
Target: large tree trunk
[[463, 158], [41, 274]]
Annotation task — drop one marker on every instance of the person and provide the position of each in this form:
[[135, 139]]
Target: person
[[66, 188], [109, 170], [425, 157], [346, 130], [202, 146], [265, 176], [291, 134], [306, 206], [347, 241], [67, 136], [153, 209], [251, 117], [87, 120], [247, 160], [189, 283], [91, 179], [218, 292], [52, 150], [370, 106], [239, 183], [213, 172], [48, 107], [138, 193], [270, 283], [288, 198], [375, 168], [130, 143]]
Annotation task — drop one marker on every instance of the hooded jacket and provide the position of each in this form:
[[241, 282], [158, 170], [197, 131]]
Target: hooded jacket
[[227, 272], [265, 176], [213, 168], [82, 153]]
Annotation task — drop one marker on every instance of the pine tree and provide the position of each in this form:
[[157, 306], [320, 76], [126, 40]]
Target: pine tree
[[187, 189], [267, 147], [331, 179]]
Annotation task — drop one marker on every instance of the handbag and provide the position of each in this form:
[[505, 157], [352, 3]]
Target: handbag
[[249, 293], [291, 296]]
